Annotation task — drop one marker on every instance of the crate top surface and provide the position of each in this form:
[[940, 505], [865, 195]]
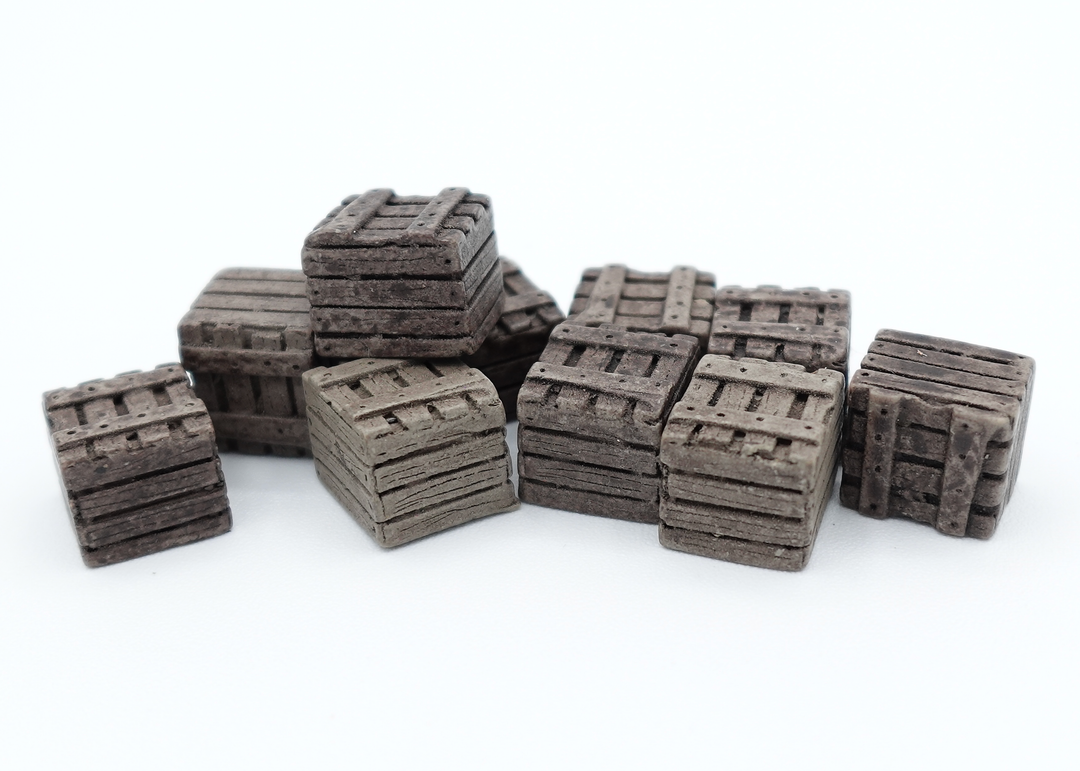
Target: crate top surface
[[946, 372], [128, 415], [527, 309], [777, 414], [606, 381], [679, 301], [391, 402], [379, 218]]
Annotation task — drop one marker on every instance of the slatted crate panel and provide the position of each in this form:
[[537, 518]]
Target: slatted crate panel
[[383, 234], [808, 326], [678, 302], [138, 463], [246, 341], [409, 447], [935, 432], [515, 344], [606, 382]]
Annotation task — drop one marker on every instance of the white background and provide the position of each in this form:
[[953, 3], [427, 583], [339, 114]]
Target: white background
[[924, 156]]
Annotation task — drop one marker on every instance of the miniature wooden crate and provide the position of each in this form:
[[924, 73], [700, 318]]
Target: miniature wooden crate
[[409, 448], [677, 302], [934, 432], [517, 341], [246, 341], [590, 415], [404, 275], [807, 326], [749, 455], [138, 464]]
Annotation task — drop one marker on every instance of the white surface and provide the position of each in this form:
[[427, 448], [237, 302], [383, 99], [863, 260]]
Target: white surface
[[924, 157]]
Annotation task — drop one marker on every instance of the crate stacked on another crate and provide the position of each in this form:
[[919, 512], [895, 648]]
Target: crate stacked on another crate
[[138, 464], [246, 341], [749, 456]]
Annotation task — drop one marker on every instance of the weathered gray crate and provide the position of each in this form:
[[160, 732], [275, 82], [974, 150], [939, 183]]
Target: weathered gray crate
[[138, 463], [590, 415], [409, 448], [677, 302], [400, 276], [749, 455], [934, 432], [517, 341], [806, 326], [246, 341]]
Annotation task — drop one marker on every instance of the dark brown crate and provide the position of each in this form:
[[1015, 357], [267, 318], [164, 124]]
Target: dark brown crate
[[749, 455], [528, 317], [799, 326], [678, 302], [591, 412], [935, 431], [409, 447], [138, 463], [246, 341]]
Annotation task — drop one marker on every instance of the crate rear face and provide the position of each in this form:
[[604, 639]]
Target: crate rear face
[[677, 302], [246, 341], [383, 234], [138, 462], [935, 431], [606, 382], [808, 327]]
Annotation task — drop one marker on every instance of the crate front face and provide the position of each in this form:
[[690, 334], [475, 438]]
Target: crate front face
[[934, 431], [808, 327], [114, 430], [679, 302], [379, 233], [607, 382], [758, 422], [250, 321], [394, 404]]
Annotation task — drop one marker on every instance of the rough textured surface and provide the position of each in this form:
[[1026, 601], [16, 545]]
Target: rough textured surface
[[138, 463], [806, 326], [677, 302], [935, 431], [409, 448], [749, 456], [246, 341], [515, 344], [590, 415], [404, 276]]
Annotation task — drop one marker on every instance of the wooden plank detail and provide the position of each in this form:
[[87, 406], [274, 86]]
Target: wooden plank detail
[[883, 415]]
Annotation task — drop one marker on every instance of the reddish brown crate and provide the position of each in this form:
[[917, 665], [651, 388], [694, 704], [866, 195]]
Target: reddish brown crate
[[934, 432], [138, 463], [409, 448], [677, 302], [806, 326], [247, 340]]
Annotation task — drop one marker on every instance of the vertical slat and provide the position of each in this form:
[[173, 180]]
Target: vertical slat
[[434, 214], [604, 300], [963, 465], [882, 414], [679, 301], [356, 213], [140, 400]]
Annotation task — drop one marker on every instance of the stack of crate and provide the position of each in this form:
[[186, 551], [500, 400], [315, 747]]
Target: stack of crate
[[590, 415], [138, 463], [409, 448], [246, 341], [934, 432], [749, 455], [404, 276]]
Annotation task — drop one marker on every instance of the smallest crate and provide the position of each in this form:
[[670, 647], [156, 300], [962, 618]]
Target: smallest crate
[[517, 341], [679, 302], [138, 464], [246, 341], [409, 448], [807, 326], [934, 432], [749, 456]]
